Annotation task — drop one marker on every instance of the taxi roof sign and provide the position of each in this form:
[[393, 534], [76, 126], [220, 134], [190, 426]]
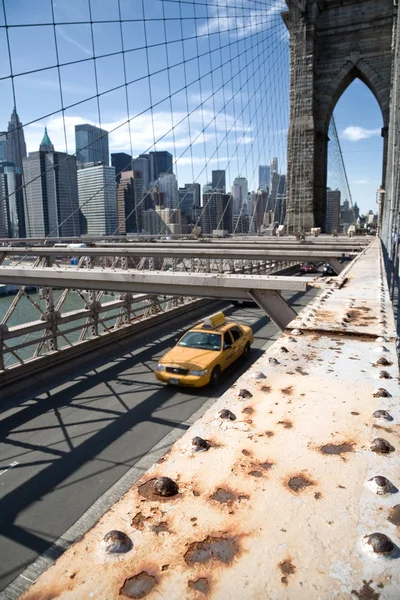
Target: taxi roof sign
[[214, 321]]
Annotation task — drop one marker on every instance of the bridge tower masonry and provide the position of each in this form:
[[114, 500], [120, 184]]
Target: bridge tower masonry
[[332, 42]]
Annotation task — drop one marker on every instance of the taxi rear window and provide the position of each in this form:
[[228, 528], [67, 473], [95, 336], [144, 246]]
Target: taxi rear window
[[201, 340]]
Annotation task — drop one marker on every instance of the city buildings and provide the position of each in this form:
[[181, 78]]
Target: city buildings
[[3, 145], [15, 147], [12, 215], [97, 199], [162, 221], [121, 162], [239, 193], [91, 144], [160, 162], [129, 202], [218, 180], [264, 176], [332, 219], [142, 164], [168, 186], [51, 192], [217, 212]]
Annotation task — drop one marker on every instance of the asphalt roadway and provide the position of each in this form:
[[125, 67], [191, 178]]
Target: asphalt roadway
[[64, 445]]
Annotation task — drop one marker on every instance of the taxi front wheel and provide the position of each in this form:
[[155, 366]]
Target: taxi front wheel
[[246, 351], [215, 376]]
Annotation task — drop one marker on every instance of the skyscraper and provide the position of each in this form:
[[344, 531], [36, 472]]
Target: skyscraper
[[332, 220], [12, 216], [3, 145], [129, 202], [218, 180], [264, 176], [51, 193], [91, 144], [160, 162], [239, 193], [142, 164], [162, 221], [168, 186], [98, 199], [217, 212], [274, 164], [16, 147], [121, 162]]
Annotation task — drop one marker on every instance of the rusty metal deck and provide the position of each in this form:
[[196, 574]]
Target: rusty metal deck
[[282, 503]]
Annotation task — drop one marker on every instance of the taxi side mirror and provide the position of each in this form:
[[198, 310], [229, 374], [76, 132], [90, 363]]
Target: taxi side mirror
[[227, 346]]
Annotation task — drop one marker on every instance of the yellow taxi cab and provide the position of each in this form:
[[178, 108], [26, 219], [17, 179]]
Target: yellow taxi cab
[[204, 352]]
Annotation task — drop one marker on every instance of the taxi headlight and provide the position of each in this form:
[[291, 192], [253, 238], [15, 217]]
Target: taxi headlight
[[198, 373], [160, 367]]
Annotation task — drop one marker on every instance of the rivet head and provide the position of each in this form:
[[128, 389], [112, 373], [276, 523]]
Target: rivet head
[[380, 349], [227, 414], [283, 349], [380, 485], [115, 542], [200, 445], [292, 339], [245, 394], [273, 361], [383, 361], [258, 375], [382, 414], [164, 486], [384, 375], [297, 332], [381, 340], [381, 393], [379, 543], [381, 446]]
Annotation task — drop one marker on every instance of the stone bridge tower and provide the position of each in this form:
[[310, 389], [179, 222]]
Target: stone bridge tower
[[332, 42]]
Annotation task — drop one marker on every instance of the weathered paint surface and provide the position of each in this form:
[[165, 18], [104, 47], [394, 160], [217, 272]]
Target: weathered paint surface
[[280, 504]]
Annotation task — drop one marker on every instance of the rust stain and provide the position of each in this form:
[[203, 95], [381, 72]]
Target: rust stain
[[147, 490], [336, 449], [318, 495], [394, 515], [138, 586], [287, 424], [223, 496], [200, 585], [366, 592], [266, 388], [297, 483], [287, 391], [165, 568], [355, 413], [246, 452], [269, 433], [219, 549], [139, 520], [287, 568], [266, 465], [255, 473], [248, 410], [160, 528], [301, 371]]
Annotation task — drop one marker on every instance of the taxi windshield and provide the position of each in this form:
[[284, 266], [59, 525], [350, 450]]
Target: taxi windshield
[[202, 340]]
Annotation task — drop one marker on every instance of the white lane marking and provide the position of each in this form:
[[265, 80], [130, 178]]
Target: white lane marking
[[13, 464]]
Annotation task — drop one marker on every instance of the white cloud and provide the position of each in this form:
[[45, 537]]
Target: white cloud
[[361, 182], [233, 18], [71, 40], [353, 133]]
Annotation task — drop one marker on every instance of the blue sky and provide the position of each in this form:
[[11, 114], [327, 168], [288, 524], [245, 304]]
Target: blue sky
[[238, 114]]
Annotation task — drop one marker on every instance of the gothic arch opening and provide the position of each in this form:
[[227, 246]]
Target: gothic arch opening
[[355, 151]]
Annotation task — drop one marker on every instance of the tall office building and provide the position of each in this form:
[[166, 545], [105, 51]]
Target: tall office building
[[196, 189], [239, 193], [264, 176], [274, 164], [16, 147], [121, 162], [12, 216], [168, 186], [162, 221], [160, 162], [218, 180], [97, 199], [258, 209], [51, 193], [273, 191], [3, 145], [332, 220], [142, 164], [217, 212], [129, 202], [187, 202], [91, 144]]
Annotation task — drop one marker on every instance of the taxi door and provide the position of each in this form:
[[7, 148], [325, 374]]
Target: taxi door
[[228, 354], [239, 341]]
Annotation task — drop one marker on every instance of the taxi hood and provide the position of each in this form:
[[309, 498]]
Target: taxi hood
[[189, 357]]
